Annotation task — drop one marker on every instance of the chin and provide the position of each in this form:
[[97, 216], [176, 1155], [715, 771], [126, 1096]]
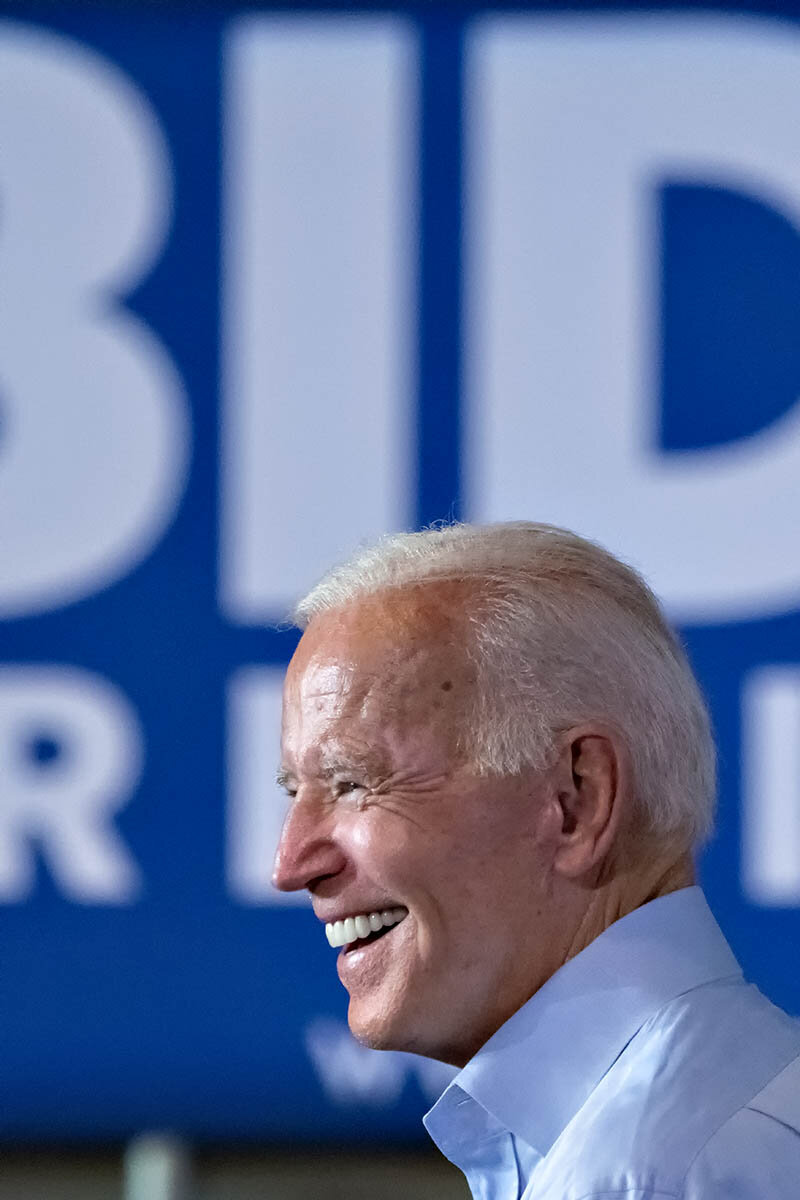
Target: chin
[[377, 1030], [385, 1031]]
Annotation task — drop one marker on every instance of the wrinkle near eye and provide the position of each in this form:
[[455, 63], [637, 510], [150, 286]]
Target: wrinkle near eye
[[395, 804], [412, 782], [407, 796]]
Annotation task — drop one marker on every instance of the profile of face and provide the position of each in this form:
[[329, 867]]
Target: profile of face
[[388, 816]]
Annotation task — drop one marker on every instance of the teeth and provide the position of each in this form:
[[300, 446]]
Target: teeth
[[362, 926], [341, 933]]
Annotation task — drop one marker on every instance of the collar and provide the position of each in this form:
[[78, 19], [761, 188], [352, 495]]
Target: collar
[[540, 1067]]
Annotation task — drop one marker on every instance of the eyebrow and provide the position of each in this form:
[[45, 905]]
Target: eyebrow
[[370, 765]]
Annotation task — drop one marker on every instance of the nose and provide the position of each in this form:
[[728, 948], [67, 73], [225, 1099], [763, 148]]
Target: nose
[[306, 851]]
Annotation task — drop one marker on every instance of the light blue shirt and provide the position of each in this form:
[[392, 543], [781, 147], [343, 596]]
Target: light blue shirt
[[646, 1068]]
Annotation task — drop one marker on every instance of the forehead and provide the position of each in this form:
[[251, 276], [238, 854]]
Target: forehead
[[368, 677]]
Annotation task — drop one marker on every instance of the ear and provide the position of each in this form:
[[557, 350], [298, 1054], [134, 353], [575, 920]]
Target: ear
[[593, 787]]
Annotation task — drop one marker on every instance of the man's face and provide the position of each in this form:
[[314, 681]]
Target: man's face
[[387, 815]]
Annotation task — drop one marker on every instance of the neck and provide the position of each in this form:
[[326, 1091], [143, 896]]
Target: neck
[[628, 886]]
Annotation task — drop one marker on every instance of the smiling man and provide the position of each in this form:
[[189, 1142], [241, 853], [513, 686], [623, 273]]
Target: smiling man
[[500, 765]]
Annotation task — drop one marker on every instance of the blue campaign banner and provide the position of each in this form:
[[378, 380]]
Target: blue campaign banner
[[271, 283]]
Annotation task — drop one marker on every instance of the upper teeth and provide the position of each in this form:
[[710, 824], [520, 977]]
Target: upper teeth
[[340, 933]]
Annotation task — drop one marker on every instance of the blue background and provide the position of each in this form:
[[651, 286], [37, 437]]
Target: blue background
[[187, 1009]]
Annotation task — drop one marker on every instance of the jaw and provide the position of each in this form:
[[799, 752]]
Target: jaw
[[446, 1010], [411, 1029], [399, 1001]]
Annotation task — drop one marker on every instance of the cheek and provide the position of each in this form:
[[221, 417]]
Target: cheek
[[373, 846], [405, 862]]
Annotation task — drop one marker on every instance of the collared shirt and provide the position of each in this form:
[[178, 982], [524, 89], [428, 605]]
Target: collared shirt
[[646, 1068]]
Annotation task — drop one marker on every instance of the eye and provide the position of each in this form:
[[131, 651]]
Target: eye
[[282, 780], [343, 787]]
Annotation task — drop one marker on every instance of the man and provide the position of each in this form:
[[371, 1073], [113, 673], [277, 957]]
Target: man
[[500, 764]]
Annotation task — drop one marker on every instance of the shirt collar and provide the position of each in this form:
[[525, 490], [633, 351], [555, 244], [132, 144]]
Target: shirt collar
[[541, 1066]]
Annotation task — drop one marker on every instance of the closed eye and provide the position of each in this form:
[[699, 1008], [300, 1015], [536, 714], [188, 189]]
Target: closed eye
[[343, 786]]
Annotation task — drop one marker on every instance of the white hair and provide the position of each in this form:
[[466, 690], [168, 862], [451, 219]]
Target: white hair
[[560, 632]]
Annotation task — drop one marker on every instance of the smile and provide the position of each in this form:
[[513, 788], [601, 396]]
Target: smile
[[354, 929]]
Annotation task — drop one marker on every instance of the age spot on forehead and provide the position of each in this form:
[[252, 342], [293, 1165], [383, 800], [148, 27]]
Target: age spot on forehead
[[447, 686]]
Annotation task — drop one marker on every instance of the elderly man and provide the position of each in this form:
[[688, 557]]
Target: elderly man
[[500, 764]]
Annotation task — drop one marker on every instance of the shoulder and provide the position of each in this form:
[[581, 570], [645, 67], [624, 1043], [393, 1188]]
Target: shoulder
[[756, 1153], [715, 1070]]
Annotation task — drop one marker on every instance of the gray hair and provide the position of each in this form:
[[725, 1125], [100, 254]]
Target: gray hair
[[560, 632]]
